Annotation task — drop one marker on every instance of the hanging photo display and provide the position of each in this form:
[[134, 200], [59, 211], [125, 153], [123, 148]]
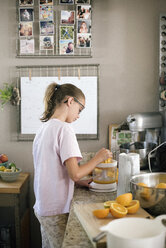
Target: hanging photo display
[[63, 30]]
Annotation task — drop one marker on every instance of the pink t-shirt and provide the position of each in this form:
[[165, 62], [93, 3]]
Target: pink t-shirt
[[54, 143]]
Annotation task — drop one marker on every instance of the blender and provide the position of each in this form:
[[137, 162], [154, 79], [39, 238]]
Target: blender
[[104, 177]]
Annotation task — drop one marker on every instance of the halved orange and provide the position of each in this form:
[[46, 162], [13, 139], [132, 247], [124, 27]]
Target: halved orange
[[161, 186], [117, 210], [108, 203], [124, 199], [133, 207], [101, 213]]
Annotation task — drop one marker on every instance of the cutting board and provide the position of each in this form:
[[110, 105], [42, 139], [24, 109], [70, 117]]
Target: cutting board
[[92, 225]]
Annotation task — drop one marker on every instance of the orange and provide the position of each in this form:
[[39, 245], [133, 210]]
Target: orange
[[108, 203], [101, 213], [161, 186], [133, 207], [142, 184], [145, 191], [117, 210], [124, 199]]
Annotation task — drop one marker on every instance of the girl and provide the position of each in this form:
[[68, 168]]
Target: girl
[[56, 155]]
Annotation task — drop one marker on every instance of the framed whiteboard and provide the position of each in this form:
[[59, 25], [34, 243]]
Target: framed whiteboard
[[32, 90]]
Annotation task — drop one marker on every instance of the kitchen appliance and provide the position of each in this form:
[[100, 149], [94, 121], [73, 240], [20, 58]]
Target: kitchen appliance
[[152, 199], [148, 131], [104, 177]]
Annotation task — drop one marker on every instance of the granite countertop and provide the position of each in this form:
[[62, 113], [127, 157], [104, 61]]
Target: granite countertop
[[75, 236]]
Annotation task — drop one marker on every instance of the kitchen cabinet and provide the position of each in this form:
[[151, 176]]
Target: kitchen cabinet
[[14, 213]]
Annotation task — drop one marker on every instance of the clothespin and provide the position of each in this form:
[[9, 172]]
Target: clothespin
[[59, 74], [30, 74], [79, 73]]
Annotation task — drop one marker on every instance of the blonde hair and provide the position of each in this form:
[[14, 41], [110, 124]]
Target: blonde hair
[[54, 96]]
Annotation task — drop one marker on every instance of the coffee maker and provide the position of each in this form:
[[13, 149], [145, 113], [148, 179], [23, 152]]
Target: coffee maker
[[148, 132]]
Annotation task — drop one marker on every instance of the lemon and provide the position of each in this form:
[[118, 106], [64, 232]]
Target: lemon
[[2, 168]]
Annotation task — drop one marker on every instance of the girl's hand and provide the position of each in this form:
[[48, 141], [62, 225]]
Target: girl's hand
[[103, 154], [84, 183]]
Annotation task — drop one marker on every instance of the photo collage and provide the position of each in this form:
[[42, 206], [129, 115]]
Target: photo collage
[[72, 30]]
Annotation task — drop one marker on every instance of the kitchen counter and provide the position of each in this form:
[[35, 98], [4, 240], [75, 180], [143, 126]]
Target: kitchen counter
[[75, 236]]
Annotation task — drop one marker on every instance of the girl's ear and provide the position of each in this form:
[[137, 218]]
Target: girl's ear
[[70, 100]]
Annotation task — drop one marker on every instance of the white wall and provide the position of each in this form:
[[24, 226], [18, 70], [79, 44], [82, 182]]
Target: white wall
[[125, 44]]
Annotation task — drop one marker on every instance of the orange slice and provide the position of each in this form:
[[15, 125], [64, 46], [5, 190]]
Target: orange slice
[[133, 207], [124, 199], [161, 186], [101, 213], [108, 203], [117, 210]]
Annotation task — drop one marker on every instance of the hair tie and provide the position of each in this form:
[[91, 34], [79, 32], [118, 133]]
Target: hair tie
[[57, 87]]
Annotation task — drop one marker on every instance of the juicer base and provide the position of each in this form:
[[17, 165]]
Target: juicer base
[[96, 187]]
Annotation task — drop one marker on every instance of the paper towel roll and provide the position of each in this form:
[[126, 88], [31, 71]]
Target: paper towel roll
[[129, 165]]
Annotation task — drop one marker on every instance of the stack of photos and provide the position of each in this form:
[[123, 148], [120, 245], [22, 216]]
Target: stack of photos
[[46, 24], [66, 42], [83, 25], [26, 18]]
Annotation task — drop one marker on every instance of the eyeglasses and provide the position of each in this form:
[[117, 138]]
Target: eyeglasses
[[76, 100]]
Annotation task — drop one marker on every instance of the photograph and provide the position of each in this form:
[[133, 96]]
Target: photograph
[[26, 15], [46, 2], [67, 17], [82, 1], [46, 42], [83, 26], [46, 28], [84, 12], [26, 2], [66, 1], [26, 29], [27, 46], [46, 12], [83, 40], [67, 33], [66, 47]]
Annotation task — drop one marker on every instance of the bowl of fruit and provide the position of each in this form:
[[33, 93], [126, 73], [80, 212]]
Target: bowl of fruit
[[150, 190], [8, 171]]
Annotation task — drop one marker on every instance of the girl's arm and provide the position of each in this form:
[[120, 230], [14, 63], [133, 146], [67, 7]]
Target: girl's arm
[[76, 172]]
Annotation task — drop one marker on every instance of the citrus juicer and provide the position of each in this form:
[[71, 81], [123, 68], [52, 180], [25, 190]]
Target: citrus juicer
[[104, 177]]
